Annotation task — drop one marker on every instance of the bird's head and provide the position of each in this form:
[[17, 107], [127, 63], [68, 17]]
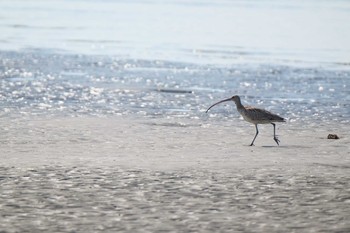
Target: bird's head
[[236, 99]]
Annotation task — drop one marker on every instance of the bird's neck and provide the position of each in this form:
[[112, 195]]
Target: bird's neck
[[239, 105]]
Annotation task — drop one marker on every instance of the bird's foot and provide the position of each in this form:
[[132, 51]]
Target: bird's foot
[[251, 144], [276, 140]]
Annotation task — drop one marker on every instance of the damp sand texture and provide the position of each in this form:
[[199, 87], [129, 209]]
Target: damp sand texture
[[111, 174]]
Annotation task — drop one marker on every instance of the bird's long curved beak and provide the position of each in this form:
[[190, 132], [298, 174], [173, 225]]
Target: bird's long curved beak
[[229, 99]]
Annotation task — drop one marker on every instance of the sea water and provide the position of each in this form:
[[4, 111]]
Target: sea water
[[175, 58]]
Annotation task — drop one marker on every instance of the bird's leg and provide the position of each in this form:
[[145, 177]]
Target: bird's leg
[[274, 134], [257, 132]]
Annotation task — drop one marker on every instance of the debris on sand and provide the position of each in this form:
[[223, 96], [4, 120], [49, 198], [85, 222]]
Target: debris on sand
[[332, 136]]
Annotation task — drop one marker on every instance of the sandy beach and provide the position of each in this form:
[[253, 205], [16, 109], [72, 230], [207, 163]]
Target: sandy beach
[[171, 175]]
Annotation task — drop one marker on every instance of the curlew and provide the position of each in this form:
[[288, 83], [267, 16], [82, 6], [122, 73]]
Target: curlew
[[255, 116]]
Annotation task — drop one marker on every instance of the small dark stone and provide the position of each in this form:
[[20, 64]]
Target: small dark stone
[[332, 136]]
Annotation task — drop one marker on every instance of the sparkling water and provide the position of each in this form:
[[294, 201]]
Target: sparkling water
[[175, 58]]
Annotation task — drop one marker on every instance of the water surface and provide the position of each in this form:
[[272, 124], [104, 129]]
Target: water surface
[[196, 31], [70, 85]]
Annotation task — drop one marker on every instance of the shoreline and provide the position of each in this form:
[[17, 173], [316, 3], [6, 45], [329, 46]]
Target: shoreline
[[154, 143]]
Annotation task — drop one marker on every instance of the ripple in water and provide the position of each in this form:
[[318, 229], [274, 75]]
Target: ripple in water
[[96, 85]]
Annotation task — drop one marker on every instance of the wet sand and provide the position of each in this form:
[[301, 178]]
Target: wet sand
[[90, 174]]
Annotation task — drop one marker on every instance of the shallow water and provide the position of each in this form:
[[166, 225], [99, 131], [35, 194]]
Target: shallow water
[[175, 58], [73, 85]]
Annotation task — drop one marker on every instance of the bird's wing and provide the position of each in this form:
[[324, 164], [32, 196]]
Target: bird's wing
[[262, 114]]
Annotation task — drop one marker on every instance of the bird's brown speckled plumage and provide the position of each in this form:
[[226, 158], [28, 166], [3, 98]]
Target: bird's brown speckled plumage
[[254, 115]]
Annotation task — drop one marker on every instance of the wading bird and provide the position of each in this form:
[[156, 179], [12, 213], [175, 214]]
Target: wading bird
[[255, 116]]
